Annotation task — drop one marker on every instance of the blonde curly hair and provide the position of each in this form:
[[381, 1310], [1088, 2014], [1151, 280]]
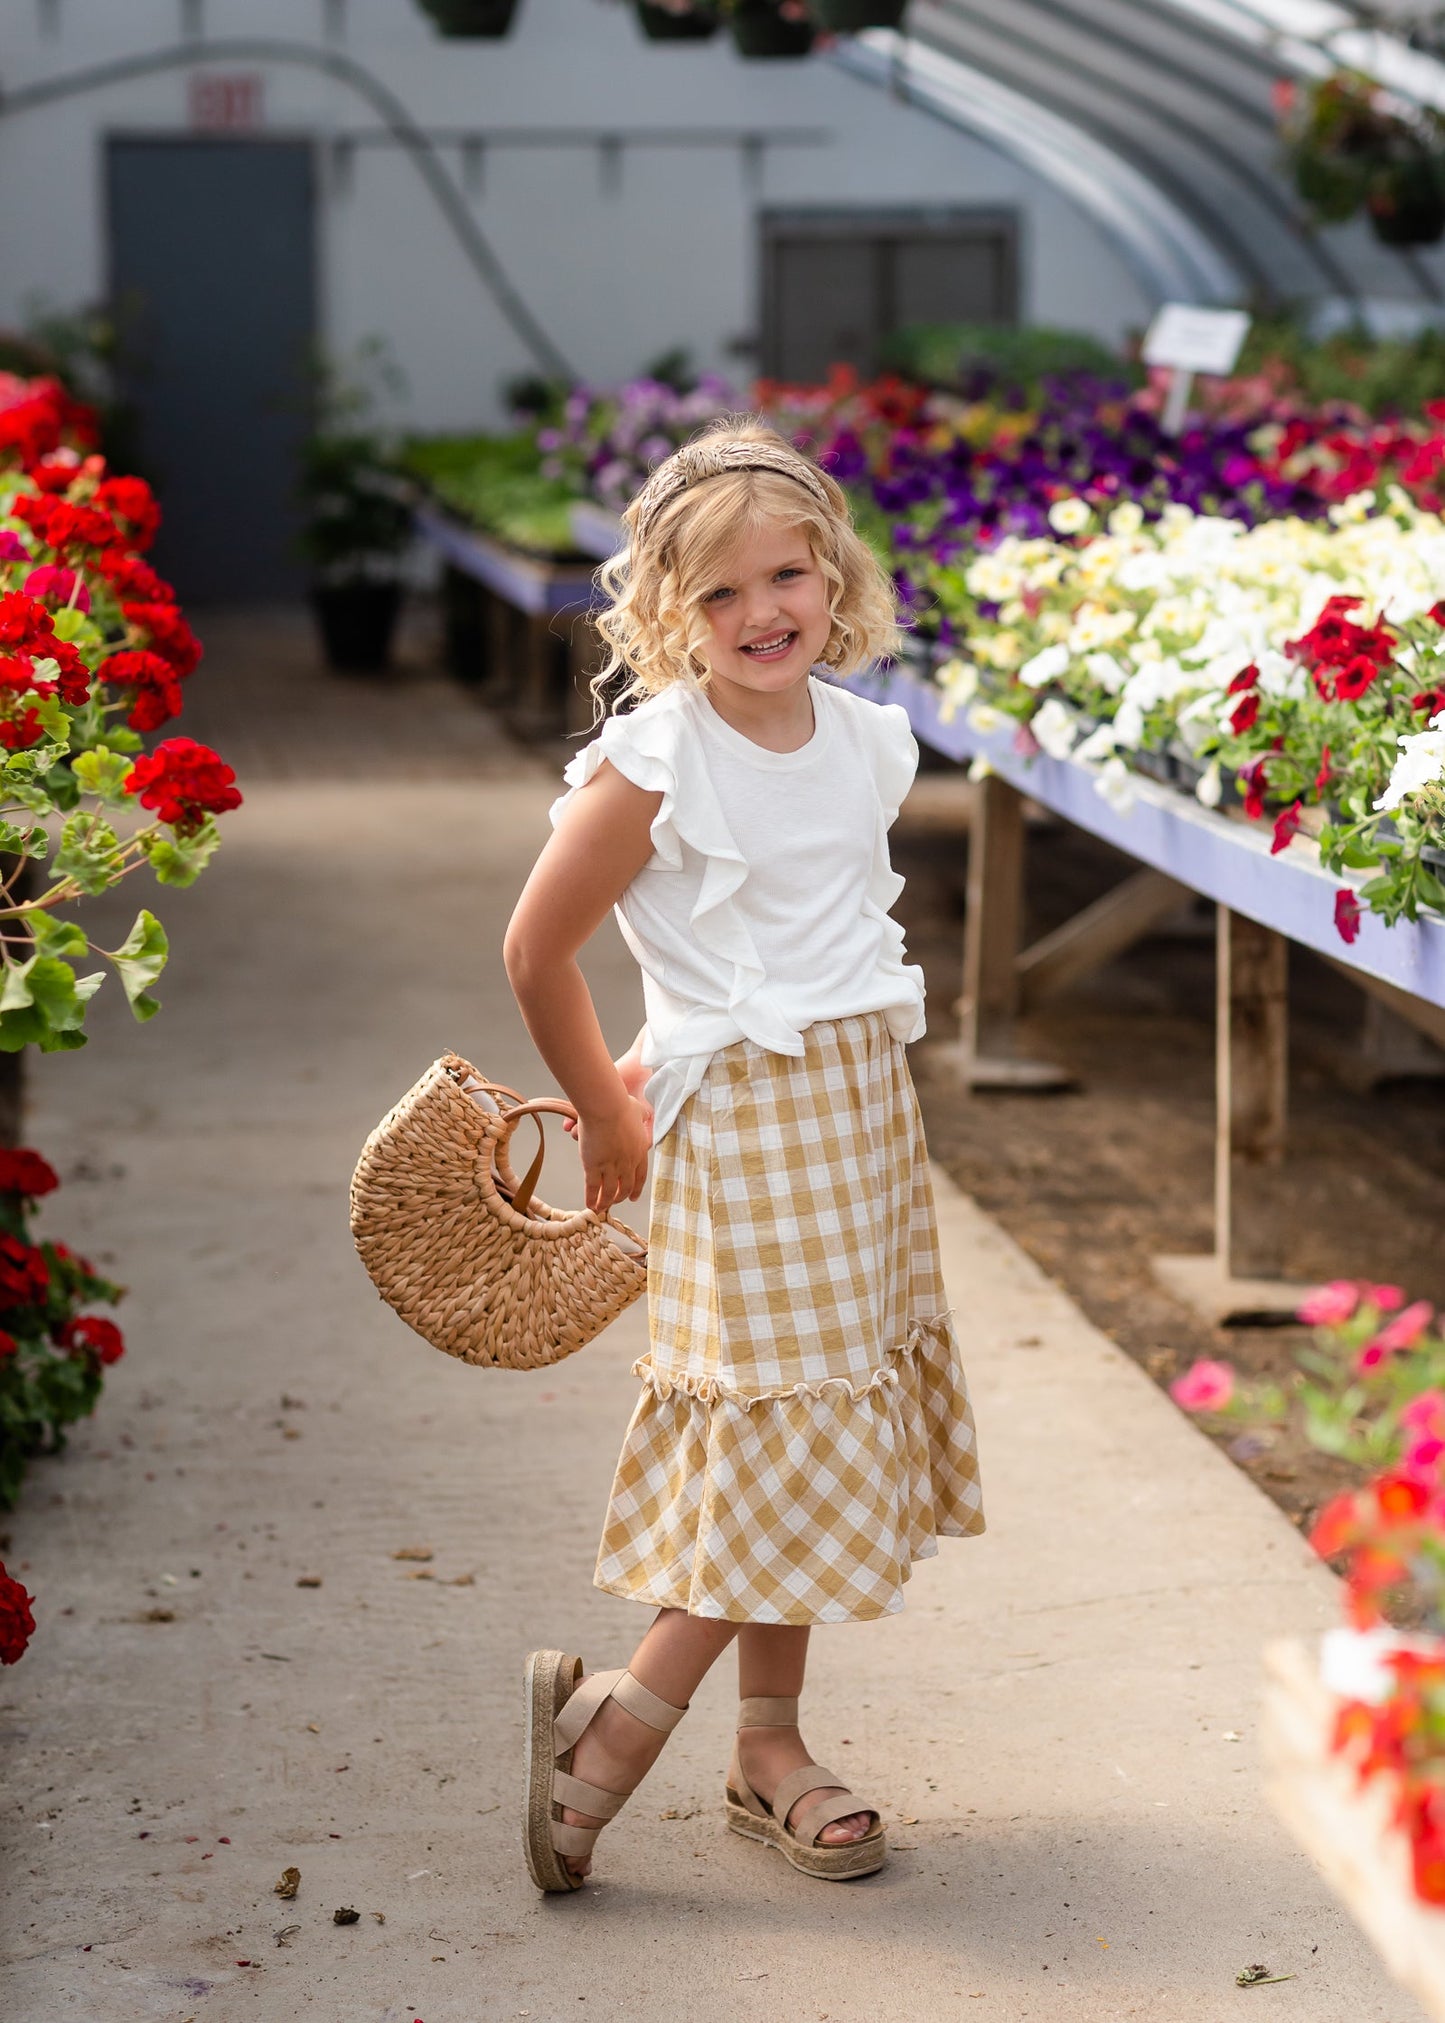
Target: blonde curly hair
[[685, 526]]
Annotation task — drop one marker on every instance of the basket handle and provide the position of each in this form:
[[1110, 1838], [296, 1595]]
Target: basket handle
[[539, 1106]]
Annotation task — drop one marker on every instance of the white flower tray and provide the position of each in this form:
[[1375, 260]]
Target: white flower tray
[[1345, 1827]]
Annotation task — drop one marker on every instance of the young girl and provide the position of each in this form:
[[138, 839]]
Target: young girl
[[803, 1433]]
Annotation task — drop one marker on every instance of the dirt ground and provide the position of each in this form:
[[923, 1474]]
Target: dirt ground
[[1096, 1181]]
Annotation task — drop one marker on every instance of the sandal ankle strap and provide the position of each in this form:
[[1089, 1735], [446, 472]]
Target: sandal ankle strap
[[629, 1693], [765, 1713]]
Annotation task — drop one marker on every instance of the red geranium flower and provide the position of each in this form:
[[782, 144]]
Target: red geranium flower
[[156, 689], [1347, 914], [167, 634], [1285, 827], [24, 1274], [25, 1172], [133, 501], [91, 1331], [8, 1345], [21, 733], [183, 782], [17, 1624], [62, 526], [130, 576]]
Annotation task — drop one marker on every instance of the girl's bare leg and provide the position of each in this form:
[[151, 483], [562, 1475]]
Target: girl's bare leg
[[772, 1658], [616, 1750]]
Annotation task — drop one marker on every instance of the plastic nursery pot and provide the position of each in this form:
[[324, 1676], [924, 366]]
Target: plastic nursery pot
[[661, 24], [849, 17], [472, 20], [760, 30], [358, 623], [1407, 205]]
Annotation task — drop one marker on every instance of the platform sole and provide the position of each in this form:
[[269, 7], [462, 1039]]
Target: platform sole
[[836, 1864], [551, 1678]]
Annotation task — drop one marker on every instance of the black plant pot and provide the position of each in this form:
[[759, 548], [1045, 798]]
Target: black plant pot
[[849, 17], [660, 24], [358, 622], [472, 20], [759, 30]]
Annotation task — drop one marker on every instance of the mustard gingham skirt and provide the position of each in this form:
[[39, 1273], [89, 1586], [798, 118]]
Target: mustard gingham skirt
[[804, 1431]]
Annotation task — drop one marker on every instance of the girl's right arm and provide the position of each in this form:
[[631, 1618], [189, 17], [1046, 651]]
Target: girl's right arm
[[599, 845]]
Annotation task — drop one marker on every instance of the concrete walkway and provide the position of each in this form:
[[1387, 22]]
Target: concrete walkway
[[1060, 1727]]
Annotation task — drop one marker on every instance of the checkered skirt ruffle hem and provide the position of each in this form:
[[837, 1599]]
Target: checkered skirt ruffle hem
[[804, 1431]]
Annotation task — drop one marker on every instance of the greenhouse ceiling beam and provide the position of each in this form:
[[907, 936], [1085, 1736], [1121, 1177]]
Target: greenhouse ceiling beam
[[1230, 164], [1316, 36], [1164, 248], [384, 102]]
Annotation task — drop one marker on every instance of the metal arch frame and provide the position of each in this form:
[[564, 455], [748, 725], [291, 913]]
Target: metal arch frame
[[1161, 244], [389, 108], [1266, 193], [1104, 122]]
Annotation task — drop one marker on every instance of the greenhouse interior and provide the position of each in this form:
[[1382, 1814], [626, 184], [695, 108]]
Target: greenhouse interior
[[899, 547]]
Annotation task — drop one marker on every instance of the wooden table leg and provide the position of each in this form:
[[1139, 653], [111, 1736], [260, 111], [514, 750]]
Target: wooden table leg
[[991, 934], [1251, 1095], [1240, 1283]]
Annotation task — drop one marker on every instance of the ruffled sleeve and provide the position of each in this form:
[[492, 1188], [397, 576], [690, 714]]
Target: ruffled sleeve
[[895, 755], [643, 748]]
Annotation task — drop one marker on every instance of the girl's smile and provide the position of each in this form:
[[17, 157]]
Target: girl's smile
[[770, 620]]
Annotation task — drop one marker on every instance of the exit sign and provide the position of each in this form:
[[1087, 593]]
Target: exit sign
[[226, 101]]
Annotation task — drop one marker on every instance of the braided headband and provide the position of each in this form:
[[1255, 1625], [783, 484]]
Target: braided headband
[[685, 468]]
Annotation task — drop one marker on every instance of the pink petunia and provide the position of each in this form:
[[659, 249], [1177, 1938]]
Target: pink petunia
[[12, 548], [55, 585], [1425, 1412], [1205, 1387], [1386, 1297], [1423, 1456], [1406, 1328], [1371, 1356], [1331, 1306]]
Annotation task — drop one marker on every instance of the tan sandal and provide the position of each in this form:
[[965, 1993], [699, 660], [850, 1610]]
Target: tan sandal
[[559, 1707], [749, 1816]]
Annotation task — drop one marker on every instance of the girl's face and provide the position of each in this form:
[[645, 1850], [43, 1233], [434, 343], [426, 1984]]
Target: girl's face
[[769, 619]]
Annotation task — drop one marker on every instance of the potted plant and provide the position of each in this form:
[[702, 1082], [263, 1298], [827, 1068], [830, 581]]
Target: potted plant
[[1352, 147], [471, 20], [850, 17], [770, 28], [356, 527], [677, 20]]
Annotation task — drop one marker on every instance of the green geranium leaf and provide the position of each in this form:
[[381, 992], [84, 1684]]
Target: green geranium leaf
[[180, 860], [139, 960], [122, 740], [43, 1004], [74, 625], [57, 937], [18, 842], [89, 853], [102, 772], [51, 713]]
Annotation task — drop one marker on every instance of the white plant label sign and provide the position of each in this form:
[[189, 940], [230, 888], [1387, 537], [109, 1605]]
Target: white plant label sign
[[1196, 340]]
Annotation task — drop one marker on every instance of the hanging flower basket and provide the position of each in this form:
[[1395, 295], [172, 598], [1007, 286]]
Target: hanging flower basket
[[471, 20], [1352, 148], [682, 23], [770, 28], [1406, 203], [850, 17]]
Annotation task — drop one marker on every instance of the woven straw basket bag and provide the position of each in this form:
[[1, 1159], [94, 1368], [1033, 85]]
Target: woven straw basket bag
[[463, 1250]]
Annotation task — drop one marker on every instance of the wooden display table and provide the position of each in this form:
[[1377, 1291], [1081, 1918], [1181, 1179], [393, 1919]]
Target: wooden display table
[[538, 648], [1264, 902]]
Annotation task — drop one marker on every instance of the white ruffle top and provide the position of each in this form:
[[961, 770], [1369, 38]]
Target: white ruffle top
[[765, 904]]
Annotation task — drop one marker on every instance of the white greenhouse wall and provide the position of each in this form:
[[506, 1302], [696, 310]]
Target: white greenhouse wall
[[615, 277]]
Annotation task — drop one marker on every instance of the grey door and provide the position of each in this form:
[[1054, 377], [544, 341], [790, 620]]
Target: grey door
[[836, 283], [212, 275]]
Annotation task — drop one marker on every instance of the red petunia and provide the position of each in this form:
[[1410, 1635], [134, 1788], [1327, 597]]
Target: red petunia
[[1437, 612], [1247, 678], [153, 682], [1245, 714], [183, 782], [17, 1624], [25, 1172], [91, 1331], [1430, 700], [1324, 775], [1347, 914], [1285, 826], [1355, 677]]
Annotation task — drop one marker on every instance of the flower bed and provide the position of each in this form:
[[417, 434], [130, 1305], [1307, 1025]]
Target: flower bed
[[94, 655]]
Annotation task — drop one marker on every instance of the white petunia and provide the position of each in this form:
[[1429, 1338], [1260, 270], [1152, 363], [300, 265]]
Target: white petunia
[[1127, 518], [986, 719], [1420, 764], [1097, 746], [1056, 727], [981, 769], [1116, 784], [1209, 789], [1105, 669], [1044, 667], [1069, 516]]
